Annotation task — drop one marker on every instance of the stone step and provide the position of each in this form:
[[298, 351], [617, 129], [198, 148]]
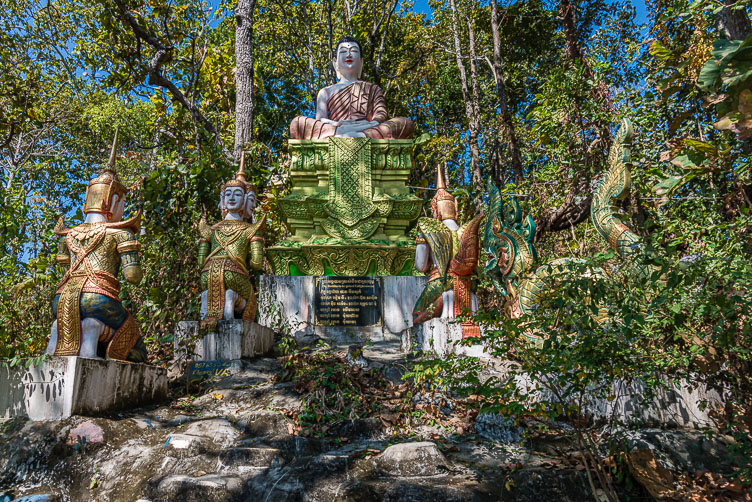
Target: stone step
[[199, 489], [252, 457]]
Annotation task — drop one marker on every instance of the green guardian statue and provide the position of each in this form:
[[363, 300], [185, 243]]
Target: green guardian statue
[[228, 251]]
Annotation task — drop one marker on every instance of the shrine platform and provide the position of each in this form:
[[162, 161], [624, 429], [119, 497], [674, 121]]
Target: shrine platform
[[61, 387]]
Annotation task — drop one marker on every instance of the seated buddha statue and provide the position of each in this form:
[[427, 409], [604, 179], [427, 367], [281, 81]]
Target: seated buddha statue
[[350, 108]]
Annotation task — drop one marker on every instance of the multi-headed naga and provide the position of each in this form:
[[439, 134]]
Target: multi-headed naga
[[508, 238]]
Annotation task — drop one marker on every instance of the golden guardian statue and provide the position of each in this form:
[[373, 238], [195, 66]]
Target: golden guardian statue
[[228, 251], [450, 252], [90, 319]]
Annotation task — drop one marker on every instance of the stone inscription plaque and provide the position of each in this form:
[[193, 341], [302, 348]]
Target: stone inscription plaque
[[348, 301]]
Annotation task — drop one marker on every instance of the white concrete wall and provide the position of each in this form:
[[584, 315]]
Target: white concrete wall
[[286, 303], [63, 386], [669, 407]]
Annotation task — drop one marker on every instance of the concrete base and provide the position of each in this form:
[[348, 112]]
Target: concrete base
[[675, 407], [672, 407], [236, 339], [60, 387], [286, 304], [440, 337]]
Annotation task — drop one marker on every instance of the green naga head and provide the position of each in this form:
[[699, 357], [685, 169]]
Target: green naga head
[[508, 239]]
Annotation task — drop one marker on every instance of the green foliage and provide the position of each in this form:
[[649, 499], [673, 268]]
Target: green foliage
[[730, 70], [334, 389], [71, 71]]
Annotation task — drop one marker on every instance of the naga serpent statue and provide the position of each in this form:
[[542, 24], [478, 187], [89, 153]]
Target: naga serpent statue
[[508, 237]]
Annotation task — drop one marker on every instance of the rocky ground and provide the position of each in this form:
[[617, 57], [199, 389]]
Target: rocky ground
[[239, 437]]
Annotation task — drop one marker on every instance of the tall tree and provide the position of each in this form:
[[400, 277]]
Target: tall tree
[[244, 104], [472, 111], [591, 138], [162, 53], [506, 121]]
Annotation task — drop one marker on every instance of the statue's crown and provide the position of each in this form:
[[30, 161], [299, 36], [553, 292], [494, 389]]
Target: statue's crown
[[240, 179], [102, 188], [443, 204]]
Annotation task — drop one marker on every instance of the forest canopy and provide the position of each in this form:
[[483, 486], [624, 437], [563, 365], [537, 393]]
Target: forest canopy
[[526, 94]]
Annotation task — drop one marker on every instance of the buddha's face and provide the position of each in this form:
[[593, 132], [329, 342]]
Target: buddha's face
[[234, 199], [348, 61]]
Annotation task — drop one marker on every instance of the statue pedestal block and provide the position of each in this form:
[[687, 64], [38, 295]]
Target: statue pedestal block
[[60, 387], [349, 209], [235, 339], [441, 337], [345, 310]]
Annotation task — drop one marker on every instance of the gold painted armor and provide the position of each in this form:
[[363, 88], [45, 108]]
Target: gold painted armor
[[455, 258], [94, 253], [227, 251]]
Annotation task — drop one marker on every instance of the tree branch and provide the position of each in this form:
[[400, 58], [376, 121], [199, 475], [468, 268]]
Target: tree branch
[[569, 214], [162, 53]]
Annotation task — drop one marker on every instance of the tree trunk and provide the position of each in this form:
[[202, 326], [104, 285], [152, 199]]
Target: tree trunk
[[377, 36], [598, 92], [470, 112], [733, 24], [566, 11], [475, 121], [243, 75], [505, 118]]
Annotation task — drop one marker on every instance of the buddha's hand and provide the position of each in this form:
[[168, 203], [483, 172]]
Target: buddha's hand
[[335, 123], [354, 126], [355, 123]]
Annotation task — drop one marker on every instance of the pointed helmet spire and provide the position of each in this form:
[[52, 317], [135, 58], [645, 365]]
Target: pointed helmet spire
[[240, 179], [104, 187], [240, 175], [113, 150], [443, 204], [440, 178]]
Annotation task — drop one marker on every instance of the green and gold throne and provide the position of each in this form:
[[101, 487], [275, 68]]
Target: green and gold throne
[[349, 209]]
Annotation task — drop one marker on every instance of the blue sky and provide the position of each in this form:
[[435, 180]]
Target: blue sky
[[639, 5]]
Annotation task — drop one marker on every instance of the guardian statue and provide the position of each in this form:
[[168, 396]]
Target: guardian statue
[[450, 252], [228, 251], [90, 318]]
